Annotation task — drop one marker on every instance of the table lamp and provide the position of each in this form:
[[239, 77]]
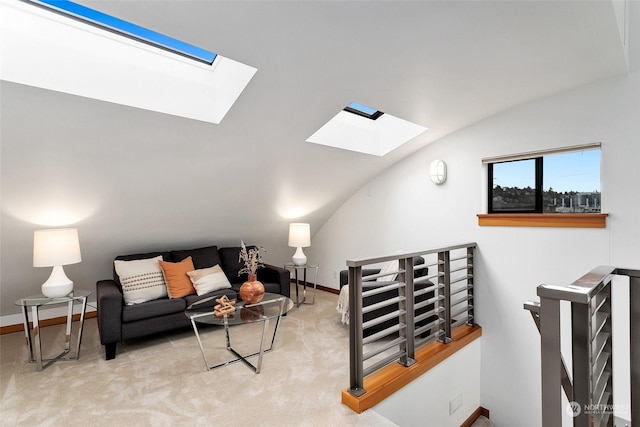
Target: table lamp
[[55, 248], [299, 237]]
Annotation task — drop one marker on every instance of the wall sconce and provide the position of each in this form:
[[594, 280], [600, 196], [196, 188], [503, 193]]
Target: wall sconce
[[438, 171]]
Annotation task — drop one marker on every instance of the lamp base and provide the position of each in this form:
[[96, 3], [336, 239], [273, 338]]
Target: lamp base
[[58, 284], [299, 258]]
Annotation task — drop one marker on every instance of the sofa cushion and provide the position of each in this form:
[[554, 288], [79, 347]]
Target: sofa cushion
[[141, 280], [175, 274], [150, 309], [202, 257], [207, 280], [231, 263]]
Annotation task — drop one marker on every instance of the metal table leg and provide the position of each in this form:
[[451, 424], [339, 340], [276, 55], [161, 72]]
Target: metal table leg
[[36, 337], [304, 284], [239, 357], [34, 340], [33, 333], [82, 316], [27, 333]]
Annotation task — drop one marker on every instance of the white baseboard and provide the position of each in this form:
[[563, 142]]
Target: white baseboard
[[45, 313]]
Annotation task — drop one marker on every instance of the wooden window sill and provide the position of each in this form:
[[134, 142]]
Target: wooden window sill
[[577, 220]]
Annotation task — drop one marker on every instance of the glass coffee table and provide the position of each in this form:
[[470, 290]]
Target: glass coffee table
[[272, 306]]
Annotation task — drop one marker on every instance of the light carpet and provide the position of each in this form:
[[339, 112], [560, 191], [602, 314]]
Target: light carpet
[[162, 381]]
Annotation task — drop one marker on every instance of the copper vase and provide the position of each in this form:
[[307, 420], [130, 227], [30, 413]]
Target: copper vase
[[252, 291]]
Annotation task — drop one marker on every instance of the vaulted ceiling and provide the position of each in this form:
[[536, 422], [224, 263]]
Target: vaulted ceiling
[[441, 64]]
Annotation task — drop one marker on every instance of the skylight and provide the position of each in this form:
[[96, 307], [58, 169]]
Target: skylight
[[88, 53], [363, 110], [365, 130], [128, 29]]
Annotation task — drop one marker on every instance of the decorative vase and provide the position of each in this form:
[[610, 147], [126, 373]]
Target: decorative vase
[[252, 291]]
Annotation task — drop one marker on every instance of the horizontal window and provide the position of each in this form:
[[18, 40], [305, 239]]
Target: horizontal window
[[551, 188], [568, 182]]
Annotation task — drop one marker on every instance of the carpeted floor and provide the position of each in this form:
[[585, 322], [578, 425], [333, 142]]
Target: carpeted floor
[[162, 381]]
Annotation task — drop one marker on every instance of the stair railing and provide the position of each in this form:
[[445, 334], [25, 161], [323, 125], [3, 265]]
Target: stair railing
[[591, 392], [445, 304]]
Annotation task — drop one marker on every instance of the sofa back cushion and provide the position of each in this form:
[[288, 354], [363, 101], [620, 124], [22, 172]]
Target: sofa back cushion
[[418, 260], [231, 264], [202, 257]]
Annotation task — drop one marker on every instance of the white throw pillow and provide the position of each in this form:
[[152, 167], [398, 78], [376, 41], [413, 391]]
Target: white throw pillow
[[209, 279], [141, 280], [388, 267]]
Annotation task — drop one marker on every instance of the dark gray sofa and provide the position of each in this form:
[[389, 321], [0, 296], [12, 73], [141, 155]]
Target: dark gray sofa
[[118, 322], [377, 298]]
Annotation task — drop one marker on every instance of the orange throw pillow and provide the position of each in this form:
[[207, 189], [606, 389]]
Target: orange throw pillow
[[175, 274]]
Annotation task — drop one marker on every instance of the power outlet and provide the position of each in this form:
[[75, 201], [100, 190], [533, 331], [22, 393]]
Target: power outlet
[[335, 274], [455, 404]]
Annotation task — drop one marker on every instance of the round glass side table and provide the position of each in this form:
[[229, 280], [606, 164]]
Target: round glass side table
[[295, 268], [33, 334]]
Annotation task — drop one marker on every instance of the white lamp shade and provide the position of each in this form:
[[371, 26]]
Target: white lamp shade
[[299, 235], [55, 247]]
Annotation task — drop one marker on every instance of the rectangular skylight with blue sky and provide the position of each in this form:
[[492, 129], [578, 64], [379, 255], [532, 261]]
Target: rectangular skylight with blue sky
[[363, 110], [363, 129], [134, 66], [128, 29]]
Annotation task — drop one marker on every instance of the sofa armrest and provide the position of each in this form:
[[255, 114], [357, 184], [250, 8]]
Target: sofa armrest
[[110, 302], [344, 275], [273, 274]]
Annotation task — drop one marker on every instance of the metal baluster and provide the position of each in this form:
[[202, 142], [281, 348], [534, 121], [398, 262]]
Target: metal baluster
[[634, 332], [471, 317], [408, 345], [444, 278], [356, 370], [550, 361]]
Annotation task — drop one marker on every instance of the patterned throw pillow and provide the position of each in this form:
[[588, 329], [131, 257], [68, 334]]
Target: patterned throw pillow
[[209, 279], [141, 280]]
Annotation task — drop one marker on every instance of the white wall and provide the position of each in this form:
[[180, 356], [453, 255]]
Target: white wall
[[401, 210], [456, 377]]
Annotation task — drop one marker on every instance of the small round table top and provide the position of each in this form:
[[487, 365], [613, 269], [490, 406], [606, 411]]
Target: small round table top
[[40, 299]]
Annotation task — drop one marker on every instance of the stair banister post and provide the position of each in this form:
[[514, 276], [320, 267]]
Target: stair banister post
[[634, 336], [550, 362], [406, 266], [444, 279], [356, 370]]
